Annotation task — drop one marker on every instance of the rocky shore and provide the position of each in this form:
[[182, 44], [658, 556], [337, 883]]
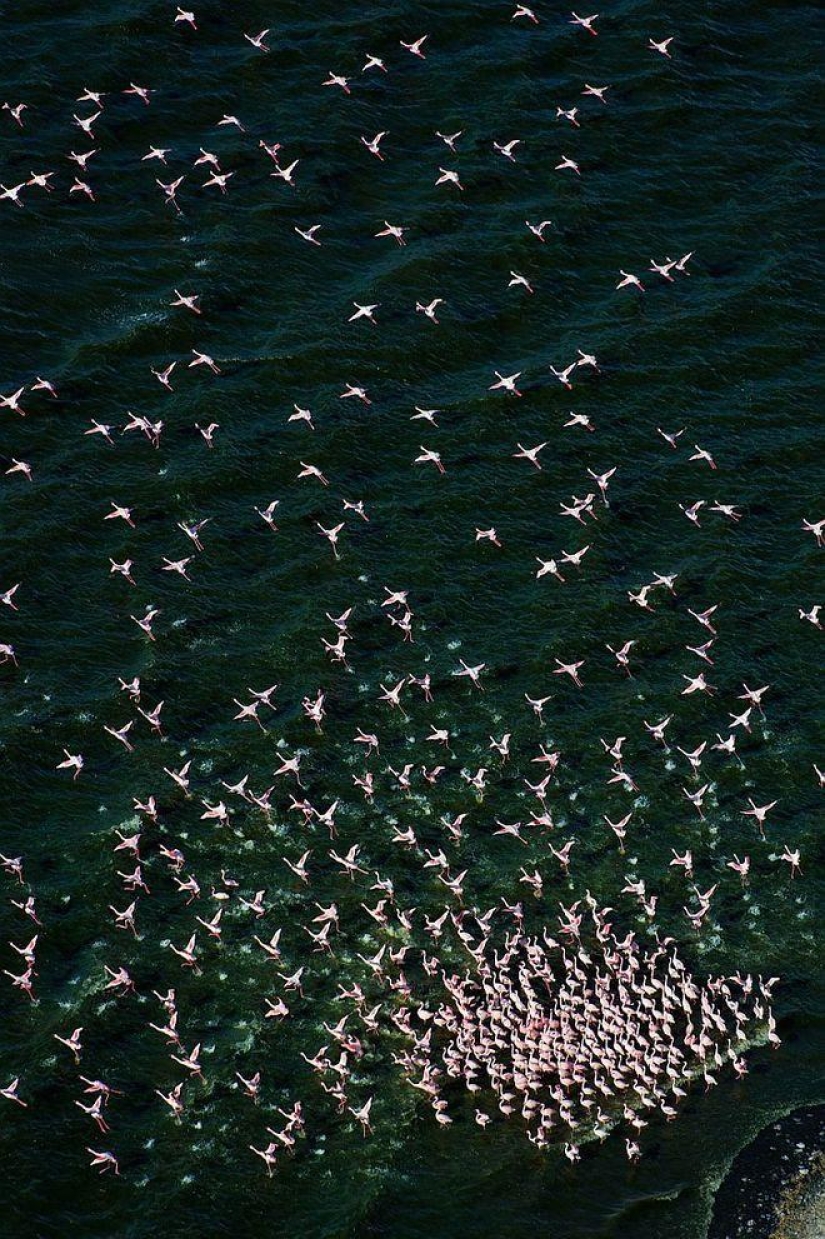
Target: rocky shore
[[801, 1211], [775, 1188]]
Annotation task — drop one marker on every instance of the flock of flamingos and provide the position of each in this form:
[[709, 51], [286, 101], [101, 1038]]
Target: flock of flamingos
[[537, 1007]]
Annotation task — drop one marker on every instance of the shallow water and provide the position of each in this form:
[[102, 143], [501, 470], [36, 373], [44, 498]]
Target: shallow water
[[714, 151]]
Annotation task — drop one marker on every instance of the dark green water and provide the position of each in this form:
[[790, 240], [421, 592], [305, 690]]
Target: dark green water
[[714, 151]]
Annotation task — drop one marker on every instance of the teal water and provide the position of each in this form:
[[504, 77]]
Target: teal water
[[714, 151]]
